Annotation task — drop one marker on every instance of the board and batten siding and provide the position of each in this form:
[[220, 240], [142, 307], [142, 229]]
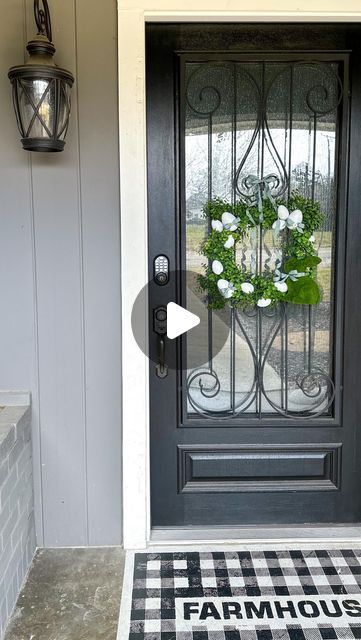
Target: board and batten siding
[[60, 278]]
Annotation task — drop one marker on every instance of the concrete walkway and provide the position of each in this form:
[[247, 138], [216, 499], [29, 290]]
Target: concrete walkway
[[70, 594]]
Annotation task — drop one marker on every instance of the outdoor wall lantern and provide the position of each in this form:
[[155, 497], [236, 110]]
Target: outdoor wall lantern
[[41, 91]]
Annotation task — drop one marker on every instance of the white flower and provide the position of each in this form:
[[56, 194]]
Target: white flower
[[217, 267], [286, 219], [312, 238], [229, 243], [282, 212], [263, 302], [281, 286], [294, 219], [229, 222], [247, 287], [226, 288], [217, 225]]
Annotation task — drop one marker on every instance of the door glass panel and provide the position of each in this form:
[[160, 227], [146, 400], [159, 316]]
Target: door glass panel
[[280, 119]]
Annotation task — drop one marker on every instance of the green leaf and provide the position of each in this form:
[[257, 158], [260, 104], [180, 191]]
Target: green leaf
[[305, 290], [301, 264]]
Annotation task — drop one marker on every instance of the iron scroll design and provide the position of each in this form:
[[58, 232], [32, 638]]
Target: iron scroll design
[[315, 385], [211, 91], [218, 94], [42, 18]]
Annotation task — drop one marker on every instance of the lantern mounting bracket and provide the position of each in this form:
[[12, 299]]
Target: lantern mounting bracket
[[42, 18]]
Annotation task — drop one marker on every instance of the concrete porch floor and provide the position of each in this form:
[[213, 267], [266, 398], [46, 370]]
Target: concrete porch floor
[[70, 594]]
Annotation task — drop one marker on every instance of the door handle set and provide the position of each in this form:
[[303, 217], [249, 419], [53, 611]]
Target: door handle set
[[160, 328], [161, 277]]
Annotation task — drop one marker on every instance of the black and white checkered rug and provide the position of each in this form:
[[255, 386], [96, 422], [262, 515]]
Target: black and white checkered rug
[[243, 595]]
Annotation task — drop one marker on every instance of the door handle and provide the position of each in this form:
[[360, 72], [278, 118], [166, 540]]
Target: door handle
[[160, 328], [161, 368]]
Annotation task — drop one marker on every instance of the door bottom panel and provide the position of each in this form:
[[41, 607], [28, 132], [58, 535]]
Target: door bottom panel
[[219, 468]]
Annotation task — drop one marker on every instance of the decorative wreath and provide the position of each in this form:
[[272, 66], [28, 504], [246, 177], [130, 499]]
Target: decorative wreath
[[292, 278]]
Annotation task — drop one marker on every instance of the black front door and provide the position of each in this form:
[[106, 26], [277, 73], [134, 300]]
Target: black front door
[[267, 430]]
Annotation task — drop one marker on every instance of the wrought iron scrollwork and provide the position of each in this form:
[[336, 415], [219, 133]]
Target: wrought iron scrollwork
[[42, 18], [315, 389], [220, 94], [326, 92]]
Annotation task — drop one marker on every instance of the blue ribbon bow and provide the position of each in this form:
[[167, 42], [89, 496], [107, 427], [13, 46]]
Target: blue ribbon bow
[[293, 275], [262, 190]]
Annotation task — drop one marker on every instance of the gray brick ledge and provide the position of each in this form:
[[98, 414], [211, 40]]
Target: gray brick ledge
[[14, 421], [15, 398], [17, 526]]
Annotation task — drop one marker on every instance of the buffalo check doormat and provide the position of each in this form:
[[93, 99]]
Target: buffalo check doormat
[[308, 594]]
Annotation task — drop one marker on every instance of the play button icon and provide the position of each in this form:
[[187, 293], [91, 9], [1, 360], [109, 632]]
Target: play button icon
[[157, 320], [179, 320]]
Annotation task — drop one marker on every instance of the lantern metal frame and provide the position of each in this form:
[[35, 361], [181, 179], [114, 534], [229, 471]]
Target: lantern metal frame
[[40, 66]]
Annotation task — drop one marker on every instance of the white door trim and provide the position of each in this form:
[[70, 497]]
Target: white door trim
[[132, 16]]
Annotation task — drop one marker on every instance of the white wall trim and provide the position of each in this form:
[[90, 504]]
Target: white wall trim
[[132, 17], [134, 255]]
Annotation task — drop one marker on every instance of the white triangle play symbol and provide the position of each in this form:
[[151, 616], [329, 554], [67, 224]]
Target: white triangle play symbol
[[179, 320]]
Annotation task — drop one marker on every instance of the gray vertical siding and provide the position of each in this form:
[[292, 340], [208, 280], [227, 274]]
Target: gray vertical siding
[[60, 278]]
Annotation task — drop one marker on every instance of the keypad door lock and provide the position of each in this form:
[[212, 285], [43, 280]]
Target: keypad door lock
[[161, 270]]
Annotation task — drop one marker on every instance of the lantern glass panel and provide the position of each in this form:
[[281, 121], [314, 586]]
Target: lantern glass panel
[[36, 104], [64, 109]]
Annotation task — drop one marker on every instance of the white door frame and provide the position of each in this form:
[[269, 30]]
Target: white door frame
[[132, 17]]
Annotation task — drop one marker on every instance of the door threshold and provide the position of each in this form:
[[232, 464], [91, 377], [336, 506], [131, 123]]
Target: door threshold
[[264, 535]]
